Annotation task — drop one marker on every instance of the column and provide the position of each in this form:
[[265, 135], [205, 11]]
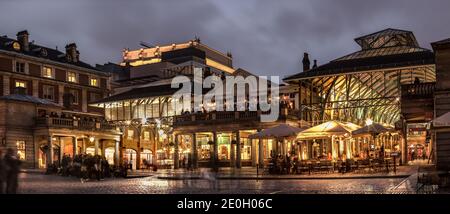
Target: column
[[75, 146], [116, 153], [215, 150], [6, 85], [61, 94], [233, 154], [83, 101], [253, 151], [61, 149], [35, 88], [333, 156], [194, 151], [83, 145], [50, 150], [238, 149], [261, 153], [96, 146], [176, 163]]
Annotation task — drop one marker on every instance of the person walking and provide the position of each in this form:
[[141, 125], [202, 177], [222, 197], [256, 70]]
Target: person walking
[[2, 174], [13, 165]]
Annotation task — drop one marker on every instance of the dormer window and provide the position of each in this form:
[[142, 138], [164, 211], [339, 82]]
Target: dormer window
[[93, 82], [72, 77], [48, 72], [20, 67]]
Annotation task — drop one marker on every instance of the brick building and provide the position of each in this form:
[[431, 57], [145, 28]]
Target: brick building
[[44, 96]]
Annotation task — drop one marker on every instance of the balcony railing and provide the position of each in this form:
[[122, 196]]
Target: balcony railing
[[71, 123], [418, 90]]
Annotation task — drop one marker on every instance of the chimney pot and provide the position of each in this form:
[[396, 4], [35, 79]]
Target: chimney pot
[[315, 64], [22, 38], [306, 62]]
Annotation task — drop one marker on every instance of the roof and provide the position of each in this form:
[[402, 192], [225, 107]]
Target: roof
[[364, 64], [389, 48], [37, 51], [386, 33], [143, 92], [29, 99], [441, 43]]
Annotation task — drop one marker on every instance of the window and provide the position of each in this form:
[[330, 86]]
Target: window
[[94, 97], [93, 82], [21, 84], [20, 67], [146, 135], [48, 72], [130, 134], [48, 92], [75, 96], [72, 77], [20, 149]]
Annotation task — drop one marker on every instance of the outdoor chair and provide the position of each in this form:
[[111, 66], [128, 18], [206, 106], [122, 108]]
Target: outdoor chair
[[327, 167], [303, 167], [364, 166], [353, 165], [316, 166]]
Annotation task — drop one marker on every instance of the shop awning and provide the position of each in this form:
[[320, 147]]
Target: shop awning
[[280, 131], [328, 129], [442, 121], [372, 129]]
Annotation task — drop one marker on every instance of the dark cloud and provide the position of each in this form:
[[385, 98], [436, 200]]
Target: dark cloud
[[265, 36]]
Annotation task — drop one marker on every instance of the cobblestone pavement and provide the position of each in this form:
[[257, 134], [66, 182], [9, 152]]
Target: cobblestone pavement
[[40, 183]]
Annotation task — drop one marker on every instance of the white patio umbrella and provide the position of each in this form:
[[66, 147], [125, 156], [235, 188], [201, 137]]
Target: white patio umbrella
[[328, 129], [372, 129], [280, 131]]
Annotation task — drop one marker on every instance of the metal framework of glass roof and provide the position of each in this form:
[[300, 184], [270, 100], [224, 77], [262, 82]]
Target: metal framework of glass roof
[[355, 96]]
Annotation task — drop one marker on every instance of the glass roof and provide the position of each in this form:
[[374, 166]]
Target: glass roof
[[385, 51]]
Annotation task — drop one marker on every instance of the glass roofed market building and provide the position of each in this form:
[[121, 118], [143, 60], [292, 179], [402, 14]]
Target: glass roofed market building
[[366, 87]]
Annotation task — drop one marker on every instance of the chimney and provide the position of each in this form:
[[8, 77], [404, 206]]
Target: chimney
[[22, 38], [72, 54], [315, 64], [306, 62]]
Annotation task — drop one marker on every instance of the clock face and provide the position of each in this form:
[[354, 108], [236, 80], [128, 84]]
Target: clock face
[[16, 46]]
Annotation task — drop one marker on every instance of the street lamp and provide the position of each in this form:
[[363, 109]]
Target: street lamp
[[91, 139]]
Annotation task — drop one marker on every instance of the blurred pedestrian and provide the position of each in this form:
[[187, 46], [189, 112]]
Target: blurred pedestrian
[[2, 174], [13, 168]]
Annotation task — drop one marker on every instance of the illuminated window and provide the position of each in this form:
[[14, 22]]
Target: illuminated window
[[20, 67], [130, 134], [21, 84], [93, 82], [20, 149], [72, 77], [48, 72], [146, 135], [48, 92], [75, 96]]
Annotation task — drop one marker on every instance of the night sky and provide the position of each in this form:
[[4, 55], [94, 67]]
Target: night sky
[[265, 36]]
